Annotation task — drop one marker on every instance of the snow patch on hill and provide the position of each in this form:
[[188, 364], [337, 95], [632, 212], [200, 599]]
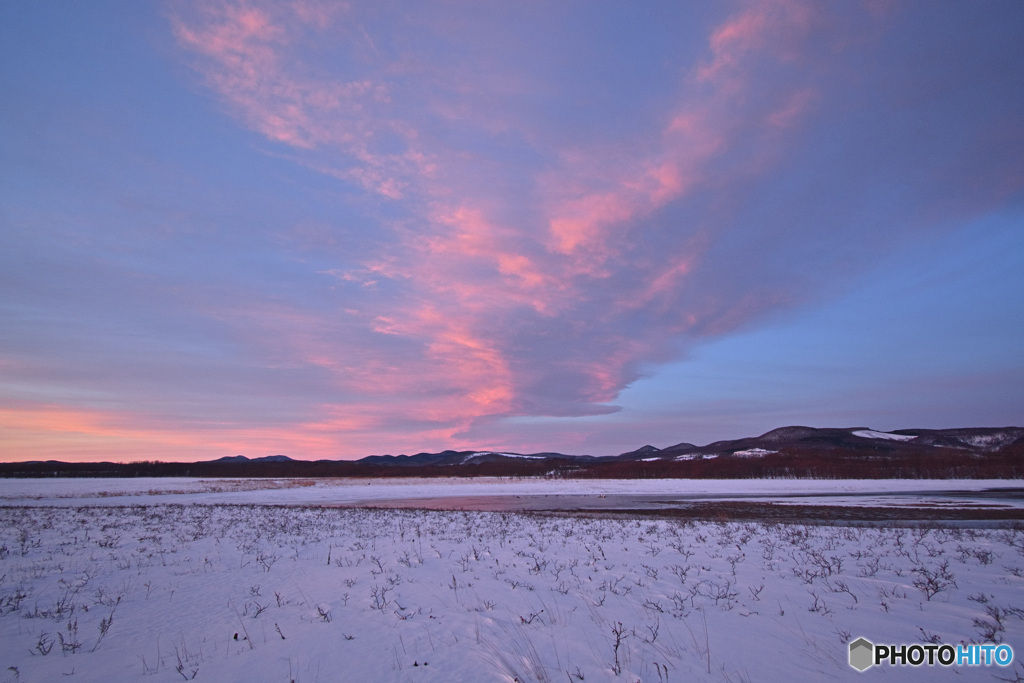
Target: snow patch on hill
[[987, 441], [753, 453], [508, 455], [696, 456], [872, 434]]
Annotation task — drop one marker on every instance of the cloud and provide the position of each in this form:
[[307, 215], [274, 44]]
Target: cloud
[[250, 55], [54, 431], [516, 274]]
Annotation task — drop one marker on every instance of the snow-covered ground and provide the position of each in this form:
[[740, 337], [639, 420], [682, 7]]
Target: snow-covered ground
[[214, 580]]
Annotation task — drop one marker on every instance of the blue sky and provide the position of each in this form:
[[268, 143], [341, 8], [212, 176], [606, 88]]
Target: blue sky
[[333, 230]]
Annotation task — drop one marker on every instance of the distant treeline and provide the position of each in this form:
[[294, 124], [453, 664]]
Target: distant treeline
[[831, 464], [788, 463]]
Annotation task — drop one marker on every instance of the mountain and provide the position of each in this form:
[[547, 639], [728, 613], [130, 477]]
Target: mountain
[[794, 451], [453, 458], [851, 452], [850, 441], [786, 451], [442, 458], [243, 459], [642, 453]]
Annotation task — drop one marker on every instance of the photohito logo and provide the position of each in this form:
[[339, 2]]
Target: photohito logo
[[865, 654]]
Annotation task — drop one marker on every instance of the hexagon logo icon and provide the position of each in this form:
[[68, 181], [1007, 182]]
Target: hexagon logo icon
[[862, 654]]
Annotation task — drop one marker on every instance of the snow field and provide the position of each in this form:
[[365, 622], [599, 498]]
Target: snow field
[[263, 593]]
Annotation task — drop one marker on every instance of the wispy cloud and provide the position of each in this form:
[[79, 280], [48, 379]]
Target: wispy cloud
[[543, 290], [505, 212], [336, 228]]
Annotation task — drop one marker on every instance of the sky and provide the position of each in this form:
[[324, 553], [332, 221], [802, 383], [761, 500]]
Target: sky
[[330, 230]]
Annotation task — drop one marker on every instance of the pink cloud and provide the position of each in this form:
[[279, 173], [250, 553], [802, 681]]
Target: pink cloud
[[733, 39], [498, 307], [793, 109], [249, 55], [775, 27], [53, 431]]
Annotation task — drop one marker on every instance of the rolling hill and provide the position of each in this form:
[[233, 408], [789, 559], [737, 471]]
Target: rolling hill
[[795, 451]]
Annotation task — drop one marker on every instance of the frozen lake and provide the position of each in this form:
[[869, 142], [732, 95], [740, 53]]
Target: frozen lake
[[779, 499]]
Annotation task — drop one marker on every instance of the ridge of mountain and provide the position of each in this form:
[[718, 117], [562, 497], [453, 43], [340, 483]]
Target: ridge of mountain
[[786, 452], [977, 440]]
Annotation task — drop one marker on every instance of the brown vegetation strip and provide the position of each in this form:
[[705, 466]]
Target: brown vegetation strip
[[772, 512]]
